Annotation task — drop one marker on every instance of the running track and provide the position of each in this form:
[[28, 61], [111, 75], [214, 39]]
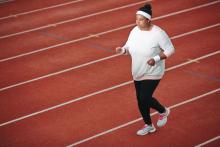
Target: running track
[[62, 84]]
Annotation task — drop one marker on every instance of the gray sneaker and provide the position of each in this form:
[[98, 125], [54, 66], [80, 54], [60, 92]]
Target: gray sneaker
[[163, 118], [146, 129]]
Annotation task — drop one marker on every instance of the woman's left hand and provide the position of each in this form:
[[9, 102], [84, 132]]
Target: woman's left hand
[[151, 62]]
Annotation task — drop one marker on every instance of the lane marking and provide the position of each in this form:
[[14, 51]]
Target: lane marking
[[139, 119], [72, 20], [102, 33], [194, 61], [100, 60], [94, 35], [208, 141], [41, 9], [100, 91], [59, 72], [106, 11]]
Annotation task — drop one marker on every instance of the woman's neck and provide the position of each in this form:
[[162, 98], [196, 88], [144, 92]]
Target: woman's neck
[[147, 27]]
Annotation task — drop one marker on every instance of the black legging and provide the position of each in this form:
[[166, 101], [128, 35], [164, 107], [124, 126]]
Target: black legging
[[144, 92]]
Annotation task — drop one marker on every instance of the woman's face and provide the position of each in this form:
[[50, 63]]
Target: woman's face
[[141, 21]]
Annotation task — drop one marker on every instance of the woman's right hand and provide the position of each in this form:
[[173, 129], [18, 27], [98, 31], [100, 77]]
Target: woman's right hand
[[119, 50]]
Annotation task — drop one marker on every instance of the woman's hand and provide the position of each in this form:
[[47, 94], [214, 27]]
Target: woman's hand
[[151, 62], [119, 50]]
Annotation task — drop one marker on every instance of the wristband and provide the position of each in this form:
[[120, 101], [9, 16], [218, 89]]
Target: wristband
[[156, 58]]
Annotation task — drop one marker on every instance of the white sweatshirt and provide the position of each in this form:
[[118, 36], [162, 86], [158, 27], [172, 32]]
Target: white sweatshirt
[[144, 45]]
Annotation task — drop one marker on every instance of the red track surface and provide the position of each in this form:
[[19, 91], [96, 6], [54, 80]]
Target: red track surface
[[189, 124]]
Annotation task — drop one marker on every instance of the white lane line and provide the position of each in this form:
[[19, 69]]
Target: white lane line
[[62, 44], [71, 20], [96, 61], [102, 33], [101, 91], [98, 13], [208, 141], [59, 72], [41, 9], [190, 9], [136, 120]]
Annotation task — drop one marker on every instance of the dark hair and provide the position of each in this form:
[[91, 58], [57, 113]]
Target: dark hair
[[146, 8]]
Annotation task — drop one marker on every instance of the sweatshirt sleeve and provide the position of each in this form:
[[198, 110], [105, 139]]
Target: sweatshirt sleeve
[[166, 44], [126, 46]]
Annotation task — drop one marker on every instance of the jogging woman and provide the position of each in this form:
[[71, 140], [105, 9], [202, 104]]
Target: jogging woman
[[149, 46]]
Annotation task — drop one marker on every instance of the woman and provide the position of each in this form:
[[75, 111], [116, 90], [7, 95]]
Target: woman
[[148, 45]]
